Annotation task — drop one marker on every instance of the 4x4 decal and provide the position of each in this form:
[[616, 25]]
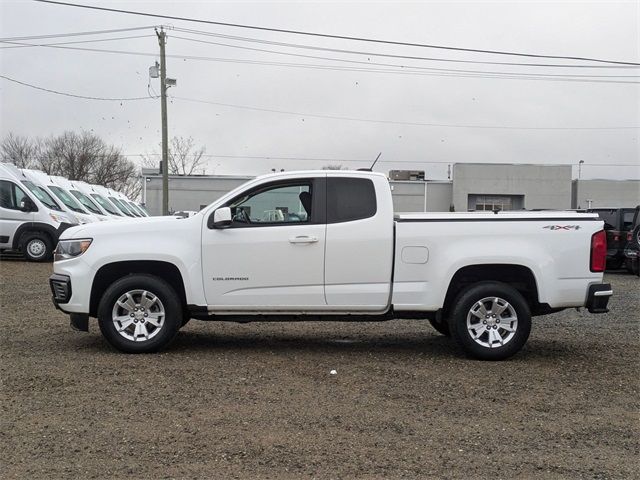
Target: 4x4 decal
[[562, 227]]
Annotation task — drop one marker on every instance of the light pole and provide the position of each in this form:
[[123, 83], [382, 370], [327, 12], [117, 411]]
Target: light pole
[[580, 163]]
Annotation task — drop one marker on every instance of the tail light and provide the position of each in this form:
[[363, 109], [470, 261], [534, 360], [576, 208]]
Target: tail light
[[598, 251], [629, 236]]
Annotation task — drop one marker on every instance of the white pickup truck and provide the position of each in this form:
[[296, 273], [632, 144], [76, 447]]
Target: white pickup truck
[[325, 245]]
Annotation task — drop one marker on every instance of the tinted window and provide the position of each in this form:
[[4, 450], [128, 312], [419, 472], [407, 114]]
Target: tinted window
[[627, 220], [11, 195], [350, 199]]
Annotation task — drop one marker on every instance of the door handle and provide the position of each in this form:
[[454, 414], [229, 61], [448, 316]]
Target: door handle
[[303, 239]]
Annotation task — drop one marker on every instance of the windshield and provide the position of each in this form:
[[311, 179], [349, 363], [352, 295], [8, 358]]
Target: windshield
[[86, 202], [42, 195], [106, 204], [144, 209], [119, 204], [67, 199], [136, 209]]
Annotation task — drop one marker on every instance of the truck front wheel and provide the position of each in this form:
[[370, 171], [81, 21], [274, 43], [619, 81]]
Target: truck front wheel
[[139, 313], [491, 321]]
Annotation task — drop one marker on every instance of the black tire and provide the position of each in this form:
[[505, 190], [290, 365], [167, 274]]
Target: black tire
[[169, 302], [471, 298], [36, 246], [615, 264], [635, 237], [441, 326]]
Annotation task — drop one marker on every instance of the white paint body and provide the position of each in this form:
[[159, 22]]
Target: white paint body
[[357, 267], [12, 219], [46, 182]]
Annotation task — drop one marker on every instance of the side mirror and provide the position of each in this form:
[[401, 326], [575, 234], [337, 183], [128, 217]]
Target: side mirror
[[221, 218], [27, 205]]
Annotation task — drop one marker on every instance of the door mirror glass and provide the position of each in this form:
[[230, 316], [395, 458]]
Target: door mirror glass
[[221, 218], [27, 205]]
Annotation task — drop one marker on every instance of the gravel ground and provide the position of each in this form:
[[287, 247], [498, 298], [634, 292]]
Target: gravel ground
[[258, 401]]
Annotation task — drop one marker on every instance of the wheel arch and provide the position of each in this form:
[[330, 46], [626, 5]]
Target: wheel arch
[[519, 277], [33, 227], [109, 273]]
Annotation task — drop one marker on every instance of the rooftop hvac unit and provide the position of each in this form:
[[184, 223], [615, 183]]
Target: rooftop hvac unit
[[415, 175]]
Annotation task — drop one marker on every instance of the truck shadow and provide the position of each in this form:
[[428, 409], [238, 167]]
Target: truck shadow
[[283, 342]]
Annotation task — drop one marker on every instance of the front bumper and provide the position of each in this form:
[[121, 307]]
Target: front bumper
[[61, 290], [598, 297]]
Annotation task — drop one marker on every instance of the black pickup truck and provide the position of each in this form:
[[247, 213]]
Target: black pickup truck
[[632, 248], [618, 223]]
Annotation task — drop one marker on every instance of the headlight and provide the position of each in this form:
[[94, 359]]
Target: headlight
[[71, 248], [62, 218]]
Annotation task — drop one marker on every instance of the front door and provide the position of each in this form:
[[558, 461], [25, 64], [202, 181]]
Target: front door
[[271, 258], [11, 216]]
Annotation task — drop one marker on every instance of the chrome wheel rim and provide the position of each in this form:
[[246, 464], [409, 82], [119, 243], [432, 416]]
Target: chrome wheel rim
[[138, 315], [36, 248], [492, 322]]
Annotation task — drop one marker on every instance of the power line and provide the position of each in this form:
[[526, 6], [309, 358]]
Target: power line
[[400, 71], [339, 37], [333, 59], [26, 45], [368, 161], [71, 94], [394, 122], [377, 54], [76, 34]]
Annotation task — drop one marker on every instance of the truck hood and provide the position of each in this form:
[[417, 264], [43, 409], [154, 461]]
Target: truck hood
[[128, 226]]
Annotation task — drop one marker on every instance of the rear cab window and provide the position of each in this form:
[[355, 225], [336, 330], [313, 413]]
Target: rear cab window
[[350, 199]]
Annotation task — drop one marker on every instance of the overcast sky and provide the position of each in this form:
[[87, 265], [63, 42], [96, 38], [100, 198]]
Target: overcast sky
[[606, 30]]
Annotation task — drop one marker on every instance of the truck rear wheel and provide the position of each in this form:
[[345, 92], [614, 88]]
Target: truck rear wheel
[[140, 314], [491, 321], [36, 246]]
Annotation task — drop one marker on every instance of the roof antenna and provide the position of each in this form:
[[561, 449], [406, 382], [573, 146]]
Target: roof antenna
[[370, 169]]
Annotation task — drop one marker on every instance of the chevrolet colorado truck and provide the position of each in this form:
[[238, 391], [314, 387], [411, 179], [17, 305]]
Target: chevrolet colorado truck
[[325, 245]]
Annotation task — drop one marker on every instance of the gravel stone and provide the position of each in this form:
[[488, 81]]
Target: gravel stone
[[255, 401]]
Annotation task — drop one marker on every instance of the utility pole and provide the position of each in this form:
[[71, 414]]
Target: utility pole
[[162, 39]]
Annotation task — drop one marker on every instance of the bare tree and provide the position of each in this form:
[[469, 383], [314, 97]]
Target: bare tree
[[85, 156], [19, 150], [334, 167], [184, 157]]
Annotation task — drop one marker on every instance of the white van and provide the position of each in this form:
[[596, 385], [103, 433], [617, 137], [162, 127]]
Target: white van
[[136, 207], [89, 205], [105, 205], [30, 219], [66, 200], [133, 208], [113, 197]]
